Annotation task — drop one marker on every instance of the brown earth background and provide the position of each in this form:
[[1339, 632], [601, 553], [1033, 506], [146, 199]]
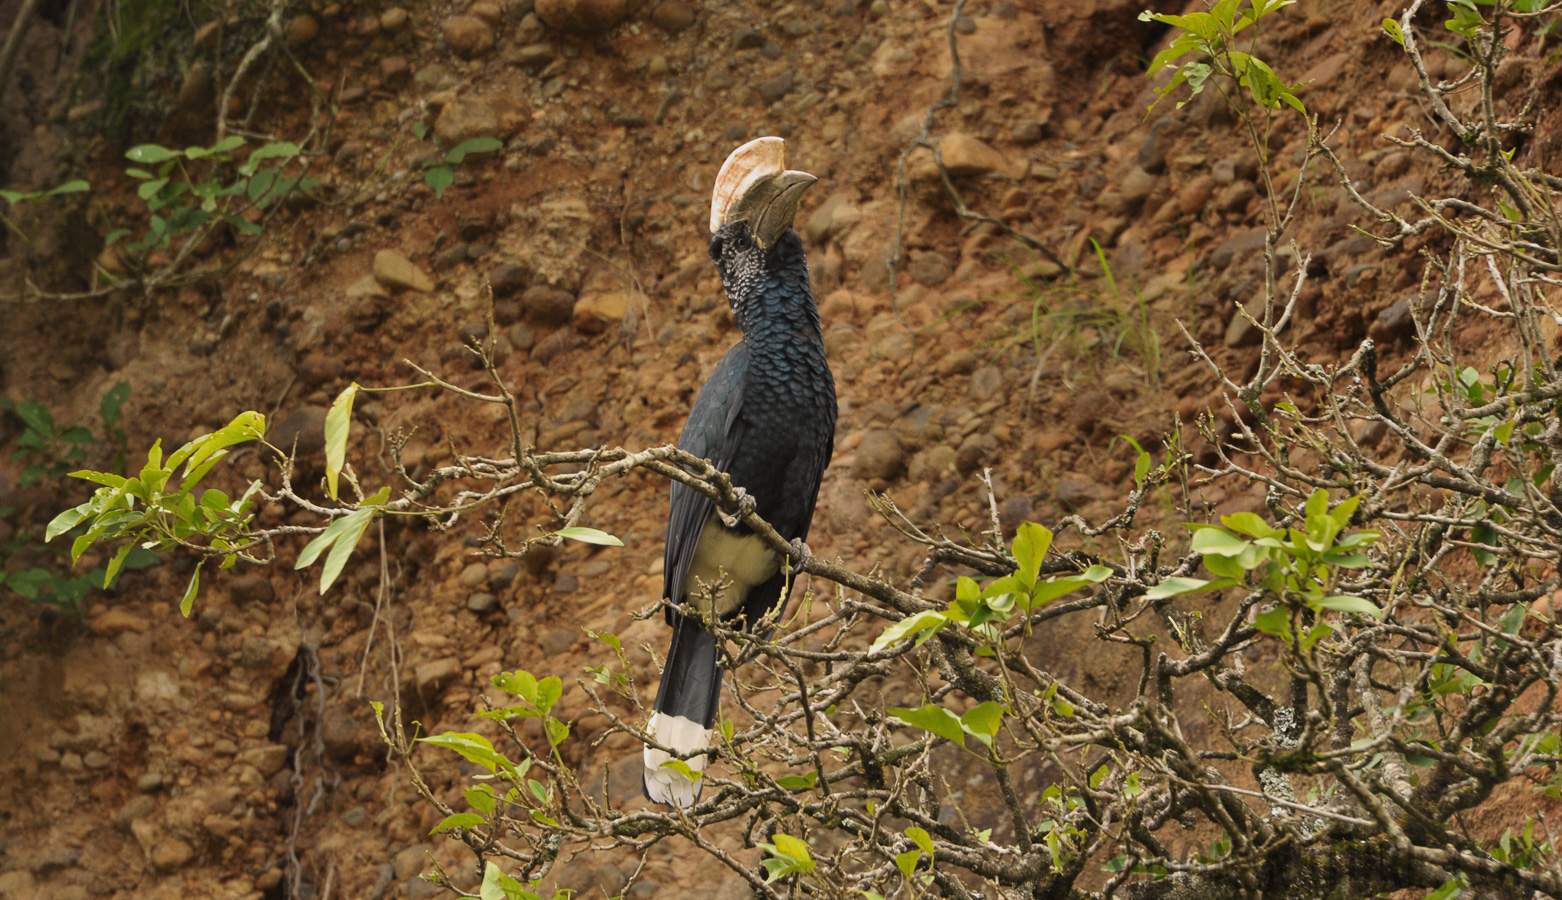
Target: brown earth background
[[147, 755]]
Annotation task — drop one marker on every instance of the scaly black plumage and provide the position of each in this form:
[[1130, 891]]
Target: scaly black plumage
[[766, 417]]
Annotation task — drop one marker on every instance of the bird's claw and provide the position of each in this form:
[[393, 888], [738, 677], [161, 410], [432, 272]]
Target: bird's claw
[[745, 505], [801, 555]]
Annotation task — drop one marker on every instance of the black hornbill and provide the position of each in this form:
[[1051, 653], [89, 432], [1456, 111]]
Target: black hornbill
[[766, 417]]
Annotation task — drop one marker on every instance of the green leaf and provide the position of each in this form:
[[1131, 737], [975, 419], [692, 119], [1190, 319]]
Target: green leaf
[[246, 426], [338, 425], [187, 602], [1050, 590], [521, 683], [1225, 566], [117, 560], [589, 536], [1343, 603], [799, 782], [151, 154], [277, 150], [1211, 540], [341, 536], [113, 401], [356, 522], [922, 839], [227, 145], [480, 799], [982, 722], [37, 418], [932, 718], [1315, 634], [260, 185], [439, 178], [1175, 587], [76, 186], [926, 621], [474, 747], [789, 855], [65, 521], [684, 769], [1276, 621], [1449, 890], [549, 690], [458, 820], [499, 886], [907, 862], [1342, 512], [459, 152], [1031, 543], [1142, 467]]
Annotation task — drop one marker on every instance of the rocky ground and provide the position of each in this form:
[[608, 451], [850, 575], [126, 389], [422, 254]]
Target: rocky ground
[[145, 755]]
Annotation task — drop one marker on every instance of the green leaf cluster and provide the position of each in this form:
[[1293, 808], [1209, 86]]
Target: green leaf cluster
[[499, 886], [158, 508], [75, 186], [982, 609], [1297, 566], [441, 174], [186, 189], [907, 861], [538, 697], [787, 855], [980, 722], [1212, 37]]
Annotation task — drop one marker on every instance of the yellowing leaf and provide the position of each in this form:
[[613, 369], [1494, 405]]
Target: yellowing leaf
[[338, 425]]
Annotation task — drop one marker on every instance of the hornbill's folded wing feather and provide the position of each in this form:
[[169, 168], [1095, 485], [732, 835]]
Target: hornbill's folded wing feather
[[714, 431]]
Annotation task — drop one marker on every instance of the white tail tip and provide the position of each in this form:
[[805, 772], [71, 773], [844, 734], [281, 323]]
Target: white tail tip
[[662, 783]]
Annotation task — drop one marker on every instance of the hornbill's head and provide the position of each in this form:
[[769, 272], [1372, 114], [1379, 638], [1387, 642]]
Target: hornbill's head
[[753, 205]]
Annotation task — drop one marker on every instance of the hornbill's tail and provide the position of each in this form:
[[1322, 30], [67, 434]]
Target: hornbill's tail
[[686, 705]]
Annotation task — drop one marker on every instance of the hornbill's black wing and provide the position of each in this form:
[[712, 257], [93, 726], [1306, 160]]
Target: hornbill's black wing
[[714, 431]]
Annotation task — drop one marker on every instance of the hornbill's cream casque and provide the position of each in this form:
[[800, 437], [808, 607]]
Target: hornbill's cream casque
[[766, 417]]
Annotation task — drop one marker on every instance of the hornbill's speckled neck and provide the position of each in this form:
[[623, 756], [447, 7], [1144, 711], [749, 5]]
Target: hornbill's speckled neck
[[766, 417]]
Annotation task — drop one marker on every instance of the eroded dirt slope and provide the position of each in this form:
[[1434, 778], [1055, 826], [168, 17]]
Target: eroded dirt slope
[[145, 755]]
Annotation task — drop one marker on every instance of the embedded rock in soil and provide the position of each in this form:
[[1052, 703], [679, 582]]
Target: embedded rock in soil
[[964, 154], [582, 17], [879, 456], [547, 305], [171, 854], [394, 270], [674, 17], [464, 119], [487, 10], [301, 29], [468, 36], [1393, 322], [250, 588], [1075, 490], [596, 313], [929, 268], [433, 676], [305, 426]]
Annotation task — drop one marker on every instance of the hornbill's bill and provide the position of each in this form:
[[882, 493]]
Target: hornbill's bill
[[766, 417]]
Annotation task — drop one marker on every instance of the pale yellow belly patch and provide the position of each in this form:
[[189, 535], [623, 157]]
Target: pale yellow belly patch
[[745, 559]]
